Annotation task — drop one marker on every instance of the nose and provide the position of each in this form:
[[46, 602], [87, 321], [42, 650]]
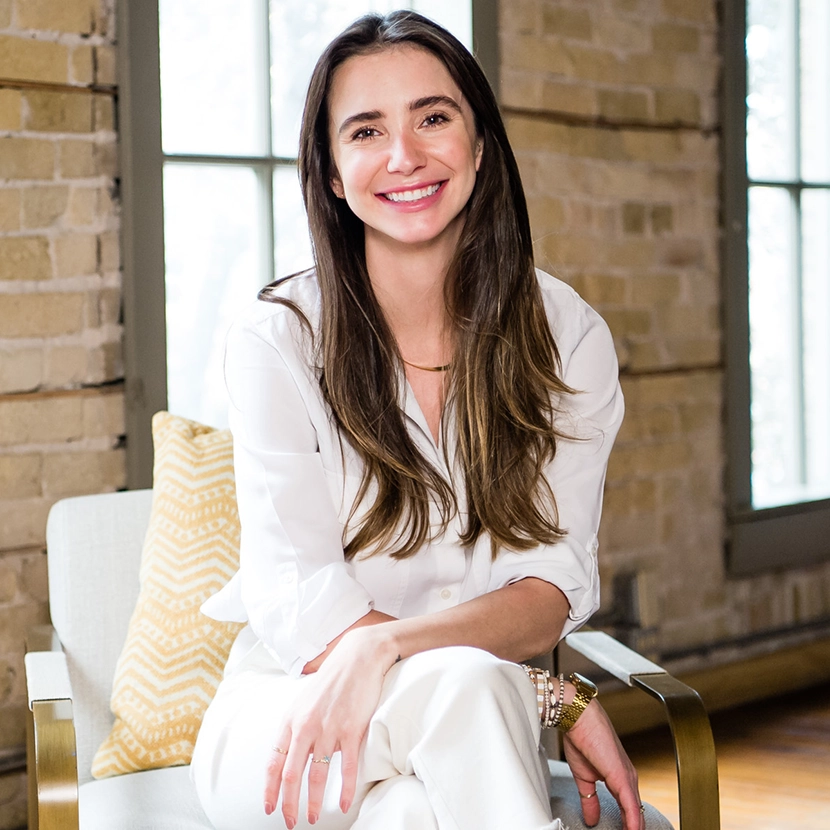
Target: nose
[[405, 154]]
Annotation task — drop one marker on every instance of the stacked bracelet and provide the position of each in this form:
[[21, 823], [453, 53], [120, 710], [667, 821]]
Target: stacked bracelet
[[550, 707]]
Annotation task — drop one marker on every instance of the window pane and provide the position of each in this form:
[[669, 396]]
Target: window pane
[[299, 33], [214, 265], [816, 256], [213, 81], [771, 114], [774, 308], [815, 90], [292, 251]]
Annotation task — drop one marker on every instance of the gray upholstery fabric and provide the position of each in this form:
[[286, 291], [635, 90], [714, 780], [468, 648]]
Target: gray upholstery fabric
[[94, 545], [565, 804], [158, 799]]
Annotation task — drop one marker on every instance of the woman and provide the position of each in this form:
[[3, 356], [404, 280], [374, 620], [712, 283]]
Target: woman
[[421, 428]]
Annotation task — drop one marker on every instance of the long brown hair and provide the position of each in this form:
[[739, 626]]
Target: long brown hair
[[504, 382]]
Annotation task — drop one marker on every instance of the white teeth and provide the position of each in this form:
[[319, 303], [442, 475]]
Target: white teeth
[[412, 195]]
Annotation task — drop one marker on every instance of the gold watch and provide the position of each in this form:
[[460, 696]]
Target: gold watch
[[586, 691]]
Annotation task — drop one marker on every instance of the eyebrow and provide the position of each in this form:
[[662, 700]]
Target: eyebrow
[[417, 104]]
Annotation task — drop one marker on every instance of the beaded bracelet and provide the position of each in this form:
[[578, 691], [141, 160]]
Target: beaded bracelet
[[550, 712]]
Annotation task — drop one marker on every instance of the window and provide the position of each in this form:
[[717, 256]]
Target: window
[[211, 99], [777, 278]]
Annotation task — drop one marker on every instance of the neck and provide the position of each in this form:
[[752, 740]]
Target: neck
[[408, 281]]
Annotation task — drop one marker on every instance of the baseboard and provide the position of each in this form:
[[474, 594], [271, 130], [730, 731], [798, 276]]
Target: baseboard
[[726, 685]]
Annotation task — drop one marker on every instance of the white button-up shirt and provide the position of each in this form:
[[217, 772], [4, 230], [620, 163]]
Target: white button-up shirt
[[296, 483]]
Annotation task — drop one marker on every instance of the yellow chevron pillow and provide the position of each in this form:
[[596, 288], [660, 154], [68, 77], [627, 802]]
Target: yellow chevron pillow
[[173, 658]]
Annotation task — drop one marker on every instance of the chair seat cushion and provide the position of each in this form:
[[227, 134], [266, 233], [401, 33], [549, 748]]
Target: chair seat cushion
[[158, 799], [565, 803], [165, 799]]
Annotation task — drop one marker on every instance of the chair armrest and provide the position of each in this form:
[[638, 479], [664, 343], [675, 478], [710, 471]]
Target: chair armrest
[[694, 746], [50, 735]]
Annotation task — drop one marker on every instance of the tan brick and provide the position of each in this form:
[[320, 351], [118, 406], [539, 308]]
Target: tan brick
[[702, 11], [600, 289], [105, 363], [675, 37], [83, 206], [65, 366], [662, 219], [109, 301], [5, 14], [652, 147], [22, 522], [680, 252], [106, 157], [82, 63], [634, 218], [76, 473], [33, 576], [76, 255], [104, 112], [40, 315], [622, 105], [21, 370], [25, 258], [77, 159], [41, 420], [74, 16], [574, 98], [649, 289], [105, 65], [26, 158], [571, 23], [110, 251], [33, 60], [103, 415], [20, 476], [695, 351], [677, 105], [628, 322], [10, 107], [59, 112], [532, 52], [591, 64], [43, 206], [8, 592], [9, 209], [646, 355]]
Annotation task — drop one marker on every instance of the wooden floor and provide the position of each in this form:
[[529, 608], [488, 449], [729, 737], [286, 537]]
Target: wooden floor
[[773, 764]]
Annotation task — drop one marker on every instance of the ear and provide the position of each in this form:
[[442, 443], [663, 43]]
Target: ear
[[479, 151], [337, 187]]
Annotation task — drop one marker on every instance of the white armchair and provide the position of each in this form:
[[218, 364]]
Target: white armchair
[[94, 546]]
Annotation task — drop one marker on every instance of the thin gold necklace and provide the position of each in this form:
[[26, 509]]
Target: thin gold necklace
[[428, 368]]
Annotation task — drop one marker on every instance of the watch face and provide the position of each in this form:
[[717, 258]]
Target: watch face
[[583, 681]]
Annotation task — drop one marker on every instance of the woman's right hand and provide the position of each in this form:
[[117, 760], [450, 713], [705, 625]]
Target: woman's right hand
[[331, 715]]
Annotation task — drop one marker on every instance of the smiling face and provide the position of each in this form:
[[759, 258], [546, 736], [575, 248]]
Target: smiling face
[[404, 146]]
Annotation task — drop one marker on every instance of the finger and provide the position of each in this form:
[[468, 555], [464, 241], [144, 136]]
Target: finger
[[589, 801], [273, 773], [292, 777], [627, 796], [318, 774], [349, 753]]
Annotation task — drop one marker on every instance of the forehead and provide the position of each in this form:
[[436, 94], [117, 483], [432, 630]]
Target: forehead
[[396, 74]]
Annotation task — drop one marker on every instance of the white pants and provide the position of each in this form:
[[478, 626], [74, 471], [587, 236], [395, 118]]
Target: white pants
[[453, 745]]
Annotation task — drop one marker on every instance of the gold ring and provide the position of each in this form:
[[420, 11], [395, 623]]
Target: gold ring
[[281, 751], [642, 808], [588, 795], [324, 760]]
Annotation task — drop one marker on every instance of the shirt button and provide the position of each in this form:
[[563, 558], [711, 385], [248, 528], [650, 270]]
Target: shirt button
[[446, 593], [287, 579]]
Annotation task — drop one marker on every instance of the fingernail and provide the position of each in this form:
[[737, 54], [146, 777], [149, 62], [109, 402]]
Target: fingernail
[[269, 808], [312, 818], [344, 806], [290, 823]]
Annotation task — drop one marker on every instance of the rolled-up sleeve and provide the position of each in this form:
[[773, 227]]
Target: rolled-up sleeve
[[297, 590], [592, 417]]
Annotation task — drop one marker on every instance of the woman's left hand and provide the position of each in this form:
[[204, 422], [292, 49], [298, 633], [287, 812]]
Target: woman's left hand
[[332, 715], [594, 753]]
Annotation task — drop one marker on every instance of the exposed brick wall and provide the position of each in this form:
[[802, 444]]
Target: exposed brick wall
[[612, 111], [61, 403]]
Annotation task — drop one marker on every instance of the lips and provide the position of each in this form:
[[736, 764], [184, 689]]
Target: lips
[[412, 195]]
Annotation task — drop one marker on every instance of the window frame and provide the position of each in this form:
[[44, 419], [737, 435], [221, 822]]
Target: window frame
[[793, 535], [142, 215]]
